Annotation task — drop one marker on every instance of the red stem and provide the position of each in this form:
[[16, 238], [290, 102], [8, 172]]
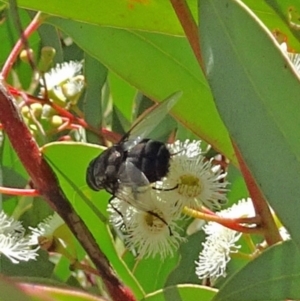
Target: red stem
[[61, 111], [46, 183], [231, 223], [190, 28], [240, 220], [260, 204], [31, 28], [16, 191]]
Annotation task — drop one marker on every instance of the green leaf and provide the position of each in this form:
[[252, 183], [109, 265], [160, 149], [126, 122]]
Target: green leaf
[[9, 35], [238, 189], [39, 210], [185, 271], [274, 275], [10, 291], [50, 37], [274, 14], [43, 292], [184, 292], [70, 161], [171, 66], [10, 159], [13, 173], [154, 15], [152, 273], [41, 267], [122, 94], [257, 94], [95, 77]]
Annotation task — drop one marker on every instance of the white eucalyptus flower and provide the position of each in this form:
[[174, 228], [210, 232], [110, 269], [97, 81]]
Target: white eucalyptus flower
[[216, 252], [190, 149], [62, 73], [8, 225], [221, 242], [13, 243], [46, 228], [64, 81], [294, 57], [285, 235], [196, 180], [152, 231]]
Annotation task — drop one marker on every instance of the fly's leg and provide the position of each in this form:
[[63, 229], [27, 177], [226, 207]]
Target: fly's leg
[[123, 225], [165, 189], [160, 218], [113, 207]]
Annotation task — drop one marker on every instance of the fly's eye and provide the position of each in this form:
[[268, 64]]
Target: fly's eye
[[92, 181], [100, 180]]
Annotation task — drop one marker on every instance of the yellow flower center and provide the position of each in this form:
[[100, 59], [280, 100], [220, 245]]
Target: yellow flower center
[[189, 186]]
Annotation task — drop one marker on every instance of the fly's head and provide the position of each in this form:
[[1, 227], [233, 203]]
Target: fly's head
[[102, 172], [95, 174]]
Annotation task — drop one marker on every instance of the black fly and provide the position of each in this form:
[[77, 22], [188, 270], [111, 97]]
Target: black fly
[[134, 161]]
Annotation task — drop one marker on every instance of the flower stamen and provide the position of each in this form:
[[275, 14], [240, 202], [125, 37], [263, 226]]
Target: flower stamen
[[189, 186]]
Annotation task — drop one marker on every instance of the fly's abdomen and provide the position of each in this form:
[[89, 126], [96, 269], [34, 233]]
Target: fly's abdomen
[[152, 158]]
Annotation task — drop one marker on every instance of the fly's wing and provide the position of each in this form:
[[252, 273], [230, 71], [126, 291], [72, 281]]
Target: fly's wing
[[134, 186], [144, 126], [129, 175]]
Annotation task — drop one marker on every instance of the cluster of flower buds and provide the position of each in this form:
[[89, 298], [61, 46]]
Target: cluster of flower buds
[[61, 86], [41, 118]]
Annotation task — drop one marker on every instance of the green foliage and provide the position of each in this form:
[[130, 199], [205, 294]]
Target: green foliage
[[272, 276], [252, 92], [134, 50]]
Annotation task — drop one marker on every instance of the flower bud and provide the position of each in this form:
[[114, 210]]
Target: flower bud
[[26, 55], [56, 121], [46, 60], [37, 110]]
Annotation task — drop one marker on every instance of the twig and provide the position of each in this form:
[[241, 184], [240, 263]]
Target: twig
[[17, 191], [23, 37], [268, 226], [35, 23], [230, 223], [190, 28], [46, 183]]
